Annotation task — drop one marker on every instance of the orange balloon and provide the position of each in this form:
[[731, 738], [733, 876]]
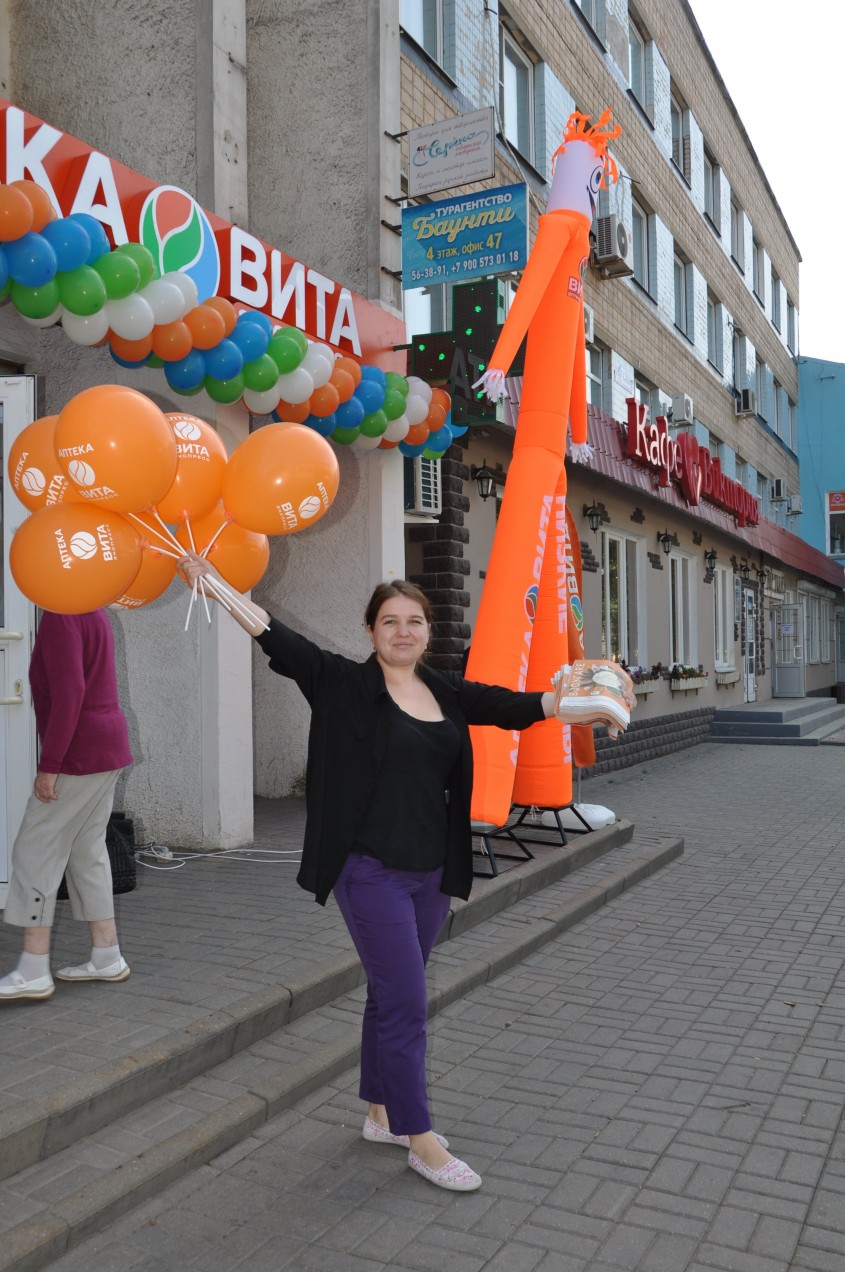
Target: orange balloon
[[131, 350], [225, 309], [324, 401], [39, 200], [72, 558], [384, 445], [280, 479], [116, 447], [439, 397], [417, 434], [343, 382], [172, 341], [34, 470], [206, 327], [240, 555], [153, 578], [351, 366], [200, 464], [16, 214], [436, 417], [293, 412]]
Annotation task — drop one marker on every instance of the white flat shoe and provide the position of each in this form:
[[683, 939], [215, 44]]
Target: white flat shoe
[[15, 988], [377, 1134], [455, 1175], [118, 971]]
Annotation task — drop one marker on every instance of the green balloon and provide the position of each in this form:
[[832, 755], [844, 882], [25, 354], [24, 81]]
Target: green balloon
[[374, 424], [344, 435], [36, 302], [396, 383], [260, 374], [155, 361], [82, 290], [394, 404], [121, 276], [6, 289], [143, 258], [428, 453], [188, 392], [285, 348], [224, 390]]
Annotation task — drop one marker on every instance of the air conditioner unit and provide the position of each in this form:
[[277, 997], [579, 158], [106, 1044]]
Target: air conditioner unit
[[745, 402], [589, 325], [613, 254], [794, 505], [427, 496], [682, 409], [778, 490]]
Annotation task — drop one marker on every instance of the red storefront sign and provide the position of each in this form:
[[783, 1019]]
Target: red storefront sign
[[681, 459]]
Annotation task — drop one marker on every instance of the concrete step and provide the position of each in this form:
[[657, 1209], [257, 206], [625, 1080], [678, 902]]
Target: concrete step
[[49, 1206], [805, 723]]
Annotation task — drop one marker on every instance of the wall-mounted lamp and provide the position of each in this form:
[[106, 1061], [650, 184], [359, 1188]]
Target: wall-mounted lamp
[[710, 558], [593, 513], [745, 569], [485, 480], [666, 540], [762, 575]]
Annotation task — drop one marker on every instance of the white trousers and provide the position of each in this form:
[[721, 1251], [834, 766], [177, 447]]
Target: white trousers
[[66, 836]]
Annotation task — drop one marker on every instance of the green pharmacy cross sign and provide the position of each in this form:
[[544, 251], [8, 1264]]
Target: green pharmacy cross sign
[[456, 359]]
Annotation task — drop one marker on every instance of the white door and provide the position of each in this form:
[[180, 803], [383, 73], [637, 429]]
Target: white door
[[17, 632], [788, 646], [749, 637]]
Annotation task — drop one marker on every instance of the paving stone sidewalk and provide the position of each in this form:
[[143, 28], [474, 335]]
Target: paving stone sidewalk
[[659, 1090]]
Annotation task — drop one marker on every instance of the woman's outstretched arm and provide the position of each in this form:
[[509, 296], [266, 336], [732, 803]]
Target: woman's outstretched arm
[[251, 617]]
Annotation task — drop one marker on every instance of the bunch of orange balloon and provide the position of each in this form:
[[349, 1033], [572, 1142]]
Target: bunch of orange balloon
[[117, 490]]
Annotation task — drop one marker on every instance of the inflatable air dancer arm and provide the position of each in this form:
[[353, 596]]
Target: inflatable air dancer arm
[[549, 307]]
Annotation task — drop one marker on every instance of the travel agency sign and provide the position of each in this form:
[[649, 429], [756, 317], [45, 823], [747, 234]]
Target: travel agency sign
[[222, 258]]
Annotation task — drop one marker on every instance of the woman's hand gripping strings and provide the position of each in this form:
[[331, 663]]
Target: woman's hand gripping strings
[[197, 571]]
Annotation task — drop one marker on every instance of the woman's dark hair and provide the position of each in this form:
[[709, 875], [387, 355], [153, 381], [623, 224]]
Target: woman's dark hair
[[387, 591]]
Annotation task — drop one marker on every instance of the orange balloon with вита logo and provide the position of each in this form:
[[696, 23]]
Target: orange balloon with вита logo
[[200, 466], [34, 469], [71, 558], [280, 479]]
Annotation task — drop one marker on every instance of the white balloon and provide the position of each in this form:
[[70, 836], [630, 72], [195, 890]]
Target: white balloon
[[420, 388], [165, 299], [397, 429], [131, 317], [318, 365], [86, 329], [363, 443], [187, 287], [49, 321], [416, 408], [263, 402], [297, 386]]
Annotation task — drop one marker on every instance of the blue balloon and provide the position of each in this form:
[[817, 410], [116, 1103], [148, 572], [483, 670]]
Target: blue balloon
[[224, 361], [121, 362], [375, 374], [70, 241], [100, 244], [458, 430], [250, 337], [369, 393], [4, 269], [254, 315], [440, 439], [412, 451], [350, 413], [322, 424], [32, 261], [187, 373]]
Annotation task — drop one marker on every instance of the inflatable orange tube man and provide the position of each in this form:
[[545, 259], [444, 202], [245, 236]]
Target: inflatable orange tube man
[[520, 637]]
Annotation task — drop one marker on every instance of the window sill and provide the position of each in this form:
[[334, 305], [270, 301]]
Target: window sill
[[738, 264], [641, 109], [513, 148], [713, 226], [730, 676]]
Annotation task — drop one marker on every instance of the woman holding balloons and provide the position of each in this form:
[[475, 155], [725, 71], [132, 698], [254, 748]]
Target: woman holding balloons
[[388, 783]]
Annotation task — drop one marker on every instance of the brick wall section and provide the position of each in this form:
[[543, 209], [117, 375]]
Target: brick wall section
[[649, 739]]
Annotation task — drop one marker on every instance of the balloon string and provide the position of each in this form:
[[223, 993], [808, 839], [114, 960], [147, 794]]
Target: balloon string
[[171, 536], [191, 604], [213, 538], [230, 600], [190, 534], [170, 541], [205, 601]]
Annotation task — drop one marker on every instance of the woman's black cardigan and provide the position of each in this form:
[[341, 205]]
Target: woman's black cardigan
[[346, 745]]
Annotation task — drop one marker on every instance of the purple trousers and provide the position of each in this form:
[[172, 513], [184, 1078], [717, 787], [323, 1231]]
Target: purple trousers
[[393, 917]]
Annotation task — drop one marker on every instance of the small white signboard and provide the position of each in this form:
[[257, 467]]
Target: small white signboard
[[451, 153]]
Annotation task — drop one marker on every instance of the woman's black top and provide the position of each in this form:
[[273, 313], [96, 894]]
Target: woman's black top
[[406, 825], [348, 742]]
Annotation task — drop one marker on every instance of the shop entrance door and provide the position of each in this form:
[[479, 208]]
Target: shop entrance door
[[840, 649], [17, 631], [788, 646], [749, 640]]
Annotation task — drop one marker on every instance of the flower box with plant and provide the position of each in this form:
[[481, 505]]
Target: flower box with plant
[[684, 677], [645, 680]]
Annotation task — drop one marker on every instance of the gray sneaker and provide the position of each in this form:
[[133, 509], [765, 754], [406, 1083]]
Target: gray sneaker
[[118, 971], [14, 988]]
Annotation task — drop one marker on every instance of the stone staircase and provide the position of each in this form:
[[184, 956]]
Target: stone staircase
[[781, 722]]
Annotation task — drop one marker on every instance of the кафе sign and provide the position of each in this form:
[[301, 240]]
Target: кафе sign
[[681, 459]]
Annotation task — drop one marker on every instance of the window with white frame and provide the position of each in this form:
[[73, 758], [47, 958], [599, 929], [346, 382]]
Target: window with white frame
[[595, 376], [776, 318], [737, 235], [620, 638], [516, 95], [760, 387], [423, 21], [715, 354], [835, 522], [791, 437], [683, 314], [680, 611], [639, 234], [824, 631], [739, 359], [791, 338], [712, 195], [813, 620], [778, 422], [723, 618], [425, 309], [681, 156], [594, 12], [758, 278], [636, 60]]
